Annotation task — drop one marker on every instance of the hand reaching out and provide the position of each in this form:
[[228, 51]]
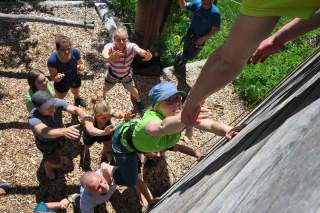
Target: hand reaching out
[[116, 55], [80, 67], [146, 56], [266, 48], [109, 129], [72, 132], [58, 77]]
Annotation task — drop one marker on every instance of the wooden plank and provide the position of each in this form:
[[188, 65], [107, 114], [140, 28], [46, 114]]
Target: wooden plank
[[250, 174], [50, 20]]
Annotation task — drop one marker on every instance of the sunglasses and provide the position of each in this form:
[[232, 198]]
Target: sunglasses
[[121, 39], [65, 49], [102, 115]]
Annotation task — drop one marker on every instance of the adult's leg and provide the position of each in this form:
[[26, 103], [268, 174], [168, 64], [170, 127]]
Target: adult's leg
[[60, 95], [143, 192], [50, 167], [76, 92], [61, 89], [190, 50], [227, 61]]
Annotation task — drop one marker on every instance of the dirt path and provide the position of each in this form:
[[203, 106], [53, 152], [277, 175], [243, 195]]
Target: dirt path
[[25, 46]]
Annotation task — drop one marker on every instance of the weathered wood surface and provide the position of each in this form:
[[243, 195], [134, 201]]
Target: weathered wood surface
[[273, 165], [49, 20], [106, 16], [61, 3]]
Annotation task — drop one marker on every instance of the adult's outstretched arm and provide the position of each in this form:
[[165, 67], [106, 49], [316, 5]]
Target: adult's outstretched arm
[[290, 31], [227, 61]]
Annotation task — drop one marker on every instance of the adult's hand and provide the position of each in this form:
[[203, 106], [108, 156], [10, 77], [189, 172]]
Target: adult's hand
[[190, 113], [266, 48], [72, 132]]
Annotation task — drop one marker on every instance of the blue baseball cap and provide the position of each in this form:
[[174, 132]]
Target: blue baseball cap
[[163, 91]]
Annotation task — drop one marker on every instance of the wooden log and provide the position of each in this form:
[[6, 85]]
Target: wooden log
[[61, 3], [106, 17], [50, 20]]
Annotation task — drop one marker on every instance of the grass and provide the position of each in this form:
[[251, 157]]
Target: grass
[[255, 81]]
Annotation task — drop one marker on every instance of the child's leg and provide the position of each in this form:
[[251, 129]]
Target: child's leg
[[187, 150], [215, 127], [106, 151], [143, 192], [107, 86], [135, 93]]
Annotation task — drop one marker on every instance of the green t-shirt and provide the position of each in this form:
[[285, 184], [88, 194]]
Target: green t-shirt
[[148, 143], [50, 91], [293, 8]]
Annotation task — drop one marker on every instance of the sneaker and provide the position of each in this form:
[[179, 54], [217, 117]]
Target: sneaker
[[140, 107], [80, 102]]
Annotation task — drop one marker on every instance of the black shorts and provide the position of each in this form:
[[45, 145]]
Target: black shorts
[[51, 151], [90, 140], [64, 86]]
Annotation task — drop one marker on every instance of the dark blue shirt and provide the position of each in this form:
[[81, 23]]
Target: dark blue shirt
[[55, 121], [203, 19], [69, 68]]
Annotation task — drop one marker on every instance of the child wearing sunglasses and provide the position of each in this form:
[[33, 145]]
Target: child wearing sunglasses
[[120, 54], [159, 129]]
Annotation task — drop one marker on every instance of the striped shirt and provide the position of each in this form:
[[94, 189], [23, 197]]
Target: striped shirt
[[122, 66]]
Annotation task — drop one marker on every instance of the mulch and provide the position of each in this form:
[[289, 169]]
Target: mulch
[[24, 46]]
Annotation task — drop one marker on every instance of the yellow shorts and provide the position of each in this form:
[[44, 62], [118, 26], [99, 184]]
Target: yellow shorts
[[293, 8]]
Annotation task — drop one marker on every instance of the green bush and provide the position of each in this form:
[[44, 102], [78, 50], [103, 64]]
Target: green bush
[[255, 81]]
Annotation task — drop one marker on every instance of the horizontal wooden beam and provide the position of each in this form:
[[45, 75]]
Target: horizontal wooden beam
[[51, 20]]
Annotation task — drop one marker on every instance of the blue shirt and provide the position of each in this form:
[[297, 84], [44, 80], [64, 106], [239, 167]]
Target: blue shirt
[[69, 68], [203, 19]]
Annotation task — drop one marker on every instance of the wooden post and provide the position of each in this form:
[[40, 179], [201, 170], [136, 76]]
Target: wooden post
[[151, 16]]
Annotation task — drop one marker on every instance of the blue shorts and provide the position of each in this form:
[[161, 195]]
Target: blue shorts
[[64, 85]]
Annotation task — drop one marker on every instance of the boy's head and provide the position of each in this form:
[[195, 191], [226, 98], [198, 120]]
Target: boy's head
[[206, 3], [63, 46]]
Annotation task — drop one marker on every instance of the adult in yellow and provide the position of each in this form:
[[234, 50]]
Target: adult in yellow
[[253, 25]]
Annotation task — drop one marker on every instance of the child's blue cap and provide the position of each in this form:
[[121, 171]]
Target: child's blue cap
[[163, 91]]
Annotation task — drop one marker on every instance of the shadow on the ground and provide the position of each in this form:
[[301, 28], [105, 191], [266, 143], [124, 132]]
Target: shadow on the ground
[[156, 176], [14, 40], [14, 125]]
